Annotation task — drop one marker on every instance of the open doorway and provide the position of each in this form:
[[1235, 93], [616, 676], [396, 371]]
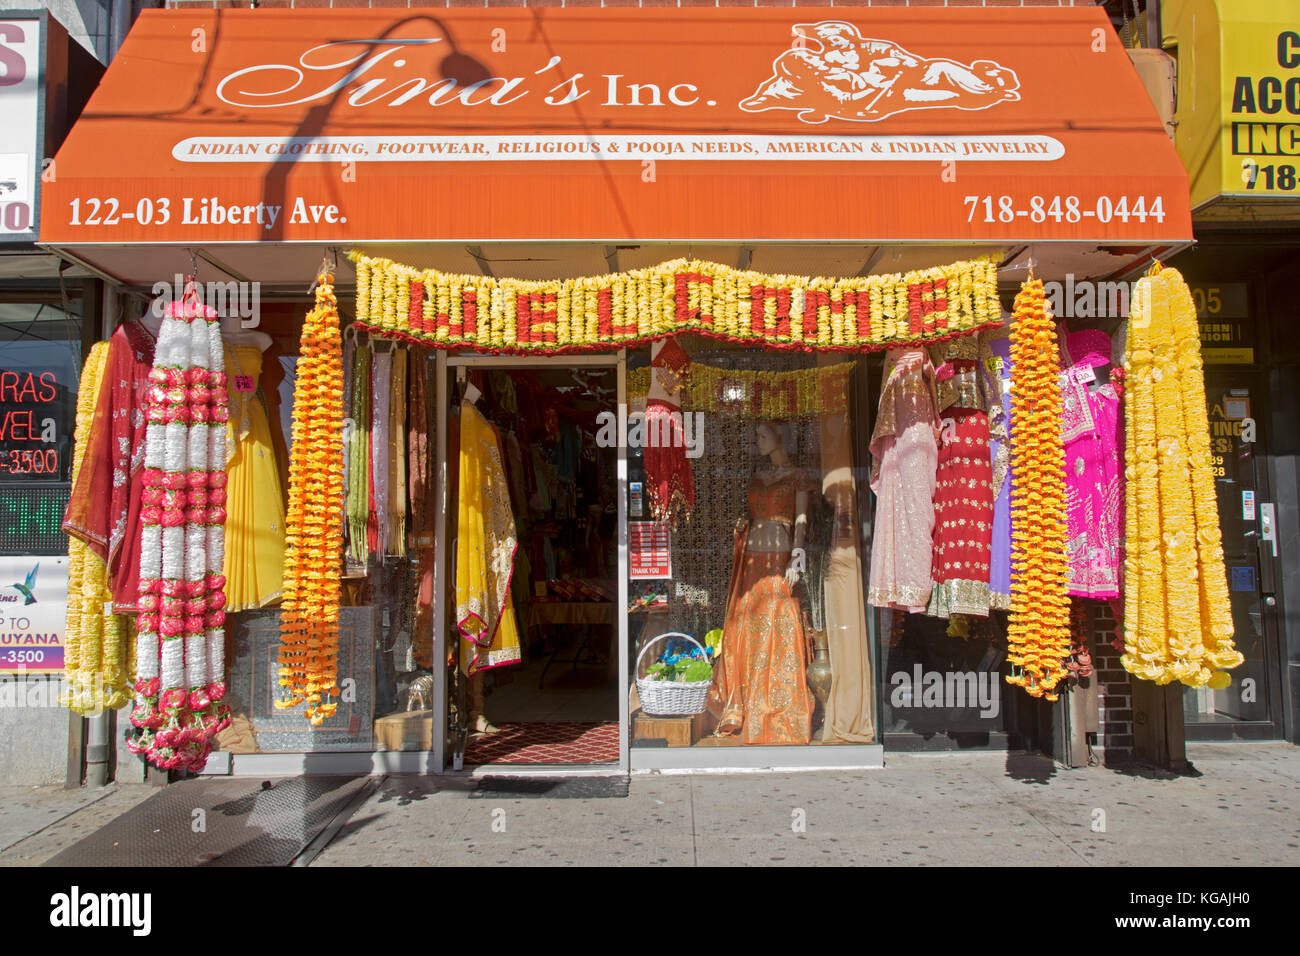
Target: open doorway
[[533, 576]]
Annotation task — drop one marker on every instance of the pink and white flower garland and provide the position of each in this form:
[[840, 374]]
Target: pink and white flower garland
[[180, 647]]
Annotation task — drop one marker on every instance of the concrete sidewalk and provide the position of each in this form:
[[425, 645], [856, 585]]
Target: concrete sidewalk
[[1239, 808], [38, 822]]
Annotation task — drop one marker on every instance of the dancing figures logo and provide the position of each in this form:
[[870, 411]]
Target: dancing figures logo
[[831, 70]]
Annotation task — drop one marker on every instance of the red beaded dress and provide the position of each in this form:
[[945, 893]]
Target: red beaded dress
[[963, 494], [669, 482]]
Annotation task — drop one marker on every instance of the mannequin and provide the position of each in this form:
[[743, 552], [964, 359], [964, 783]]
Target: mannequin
[[774, 535], [233, 333], [760, 692], [670, 483], [152, 321], [485, 551], [255, 523], [479, 724]]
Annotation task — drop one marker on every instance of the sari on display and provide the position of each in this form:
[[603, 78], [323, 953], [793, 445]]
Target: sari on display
[[104, 507], [760, 688], [485, 549]]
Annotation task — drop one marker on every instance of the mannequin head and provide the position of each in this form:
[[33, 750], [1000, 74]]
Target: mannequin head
[[775, 440]]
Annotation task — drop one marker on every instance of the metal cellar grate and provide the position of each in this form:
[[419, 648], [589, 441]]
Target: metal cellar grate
[[246, 822]]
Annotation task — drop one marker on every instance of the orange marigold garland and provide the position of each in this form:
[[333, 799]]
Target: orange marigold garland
[[1038, 632], [309, 629]]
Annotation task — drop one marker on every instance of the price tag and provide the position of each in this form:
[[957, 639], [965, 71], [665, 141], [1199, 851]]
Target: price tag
[[244, 383], [1084, 374]]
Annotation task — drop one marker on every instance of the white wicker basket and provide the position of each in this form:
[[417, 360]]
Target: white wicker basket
[[664, 698]]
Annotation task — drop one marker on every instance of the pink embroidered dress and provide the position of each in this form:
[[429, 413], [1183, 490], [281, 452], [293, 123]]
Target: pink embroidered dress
[[1089, 429], [904, 455]]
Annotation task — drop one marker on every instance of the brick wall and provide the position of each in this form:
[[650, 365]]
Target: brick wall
[[1116, 691], [174, 4]]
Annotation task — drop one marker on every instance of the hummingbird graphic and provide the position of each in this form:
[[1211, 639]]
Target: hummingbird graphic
[[26, 588]]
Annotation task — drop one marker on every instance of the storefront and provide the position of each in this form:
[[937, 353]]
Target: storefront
[[48, 309], [1238, 103], [586, 397]]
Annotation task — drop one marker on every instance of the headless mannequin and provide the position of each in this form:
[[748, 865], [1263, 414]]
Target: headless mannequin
[[478, 722], [152, 321], [770, 535], [234, 334], [659, 390]]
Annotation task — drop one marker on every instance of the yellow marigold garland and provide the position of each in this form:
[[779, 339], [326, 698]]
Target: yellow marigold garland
[[1038, 631], [1174, 544], [762, 395], [309, 629], [855, 313], [96, 668]]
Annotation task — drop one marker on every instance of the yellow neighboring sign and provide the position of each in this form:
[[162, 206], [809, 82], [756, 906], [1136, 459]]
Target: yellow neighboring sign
[[1228, 356], [1238, 100]]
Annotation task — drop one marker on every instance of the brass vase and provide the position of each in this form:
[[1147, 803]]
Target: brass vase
[[819, 671]]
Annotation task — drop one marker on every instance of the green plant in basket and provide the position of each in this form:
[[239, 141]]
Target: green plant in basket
[[697, 670], [680, 668]]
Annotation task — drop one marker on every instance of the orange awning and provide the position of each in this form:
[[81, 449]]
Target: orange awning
[[611, 125]]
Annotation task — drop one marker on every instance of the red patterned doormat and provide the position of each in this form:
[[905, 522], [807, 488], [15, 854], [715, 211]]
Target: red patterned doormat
[[546, 743]]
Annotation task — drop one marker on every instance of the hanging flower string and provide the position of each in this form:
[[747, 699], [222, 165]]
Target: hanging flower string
[[309, 629], [180, 644], [97, 672], [763, 395], [1177, 616], [801, 313], [1038, 631]]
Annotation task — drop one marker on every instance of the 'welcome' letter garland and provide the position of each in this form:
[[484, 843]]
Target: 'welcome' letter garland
[[180, 645], [1038, 630], [603, 313], [309, 626]]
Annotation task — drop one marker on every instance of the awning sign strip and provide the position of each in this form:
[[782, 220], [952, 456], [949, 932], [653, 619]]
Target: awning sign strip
[[609, 124]]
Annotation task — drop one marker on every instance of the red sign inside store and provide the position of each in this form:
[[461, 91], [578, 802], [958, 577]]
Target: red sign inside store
[[29, 417]]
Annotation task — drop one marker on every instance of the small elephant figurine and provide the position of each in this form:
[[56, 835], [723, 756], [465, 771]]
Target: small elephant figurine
[[419, 696]]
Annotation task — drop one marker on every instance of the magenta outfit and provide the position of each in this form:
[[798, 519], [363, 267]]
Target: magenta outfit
[[1092, 469], [996, 355], [904, 456]]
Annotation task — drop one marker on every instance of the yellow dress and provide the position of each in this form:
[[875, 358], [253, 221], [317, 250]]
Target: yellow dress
[[485, 550], [254, 547]]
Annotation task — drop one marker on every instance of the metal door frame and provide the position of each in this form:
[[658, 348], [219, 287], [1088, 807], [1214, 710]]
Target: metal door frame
[[1255, 378], [445, 362]]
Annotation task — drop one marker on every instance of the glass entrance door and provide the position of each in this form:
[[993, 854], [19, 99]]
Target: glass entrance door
[[533, 565], [1251, 705]]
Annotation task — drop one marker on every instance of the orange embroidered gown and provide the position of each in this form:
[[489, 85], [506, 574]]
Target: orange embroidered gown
[[760, 687]]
